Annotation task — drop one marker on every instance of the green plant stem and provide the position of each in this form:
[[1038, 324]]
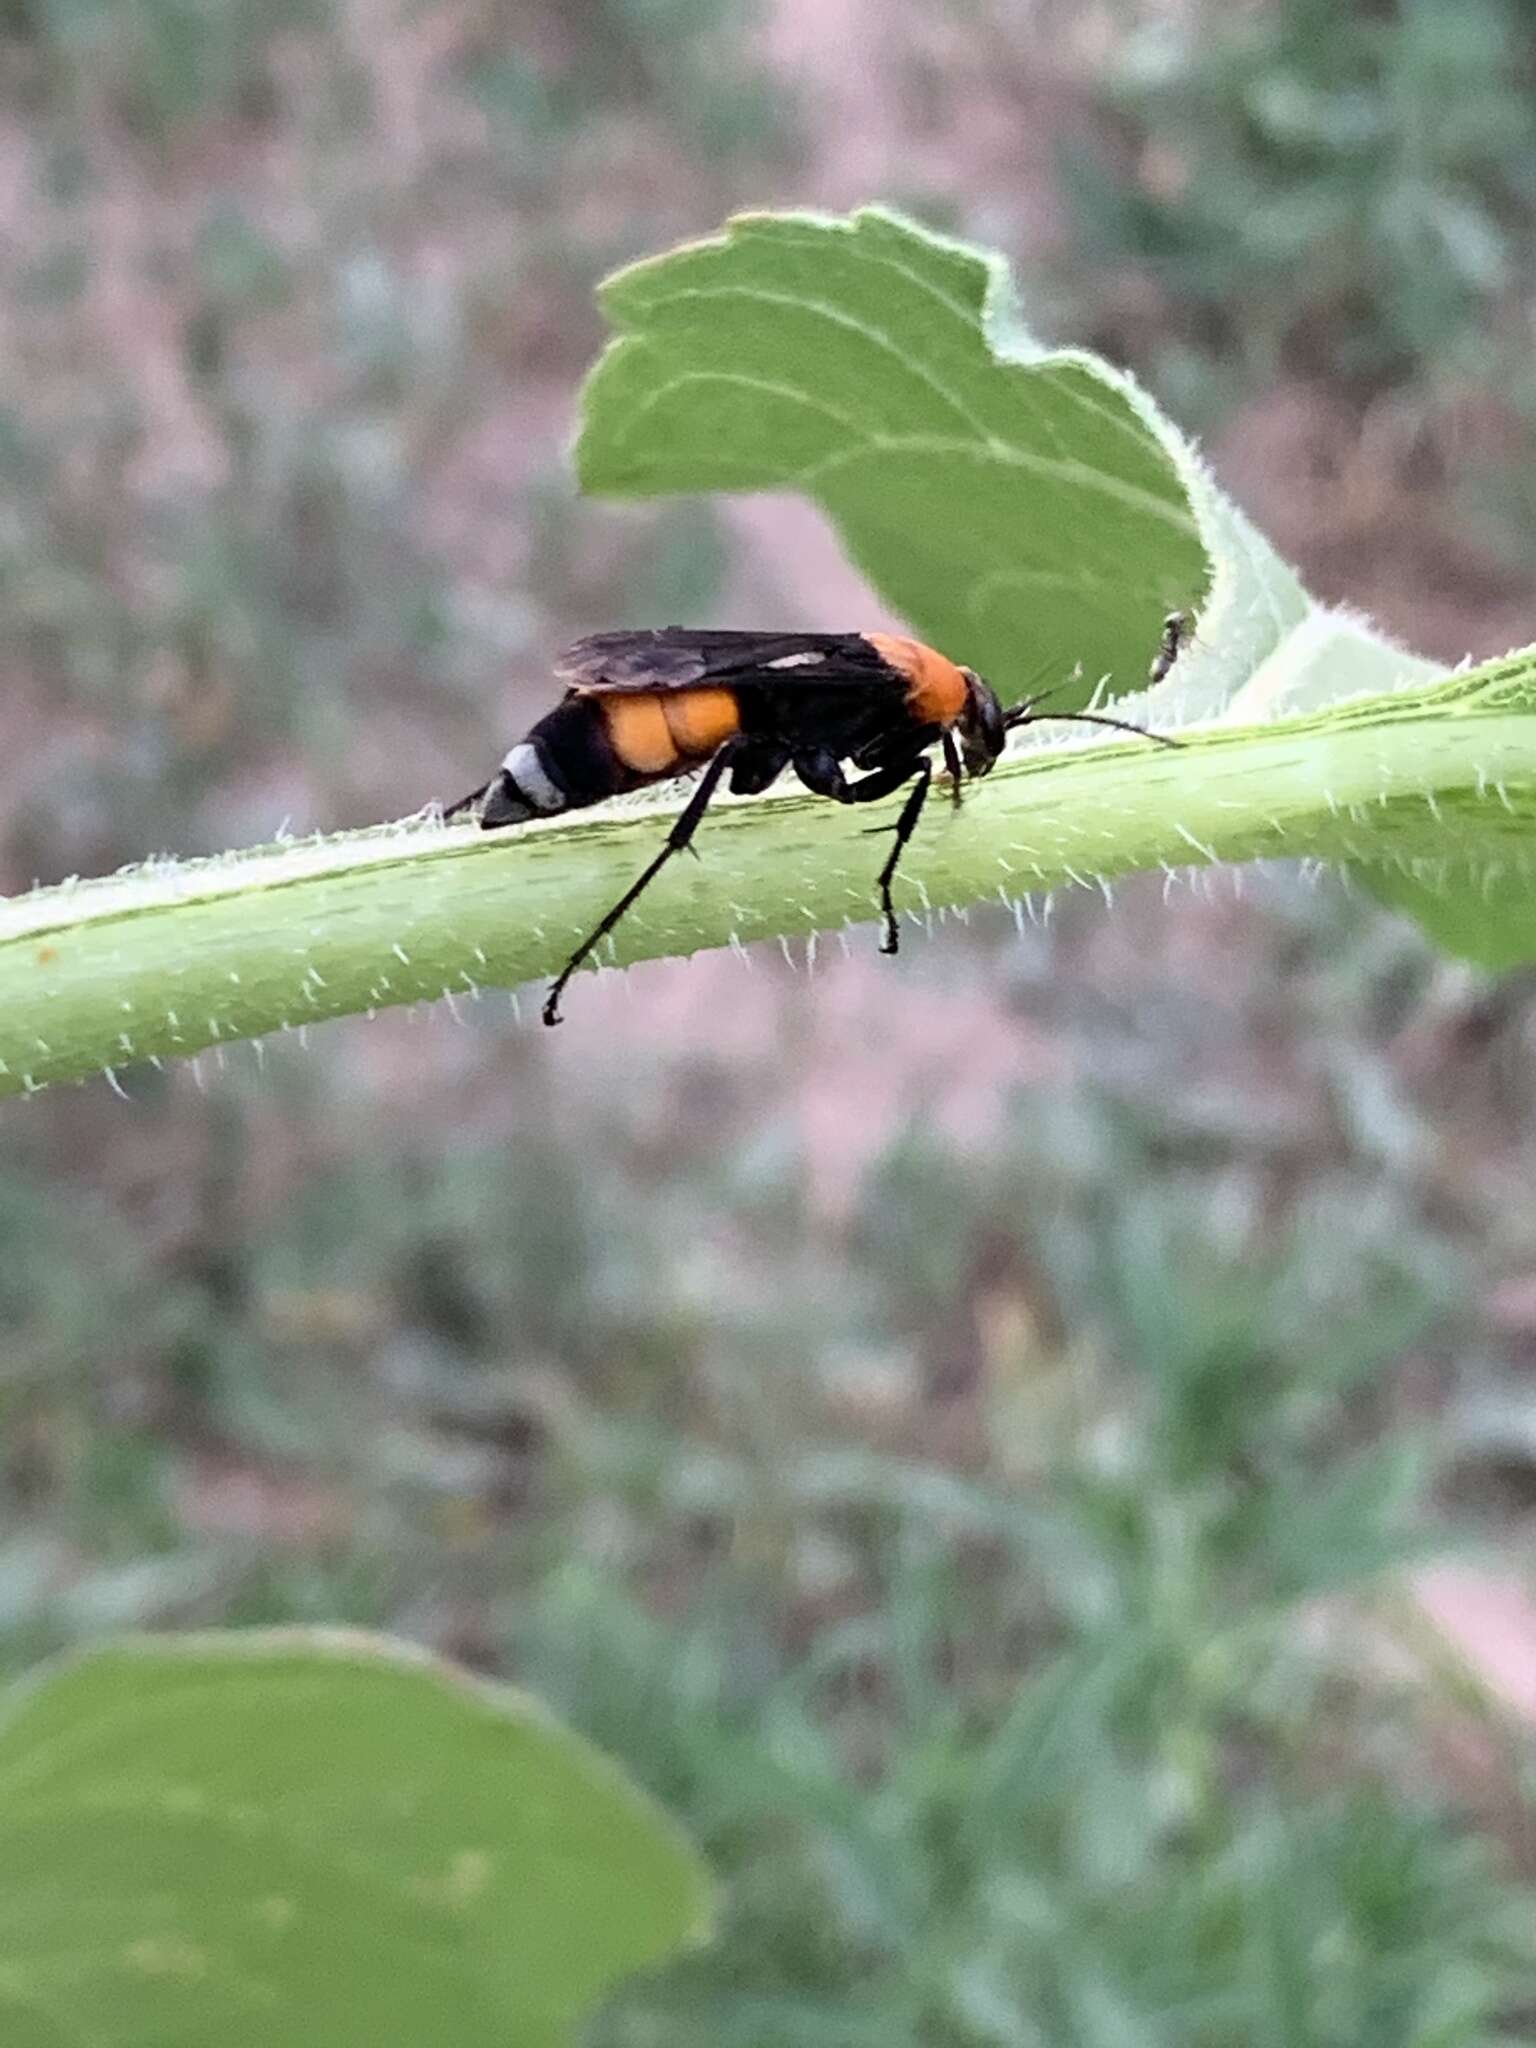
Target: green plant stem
[[169, 959]]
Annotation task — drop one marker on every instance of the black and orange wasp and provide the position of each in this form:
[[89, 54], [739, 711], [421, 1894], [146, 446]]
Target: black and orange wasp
[[642, 707]]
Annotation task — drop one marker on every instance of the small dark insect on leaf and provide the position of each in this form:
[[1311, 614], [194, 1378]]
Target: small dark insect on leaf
[[1176, 631]]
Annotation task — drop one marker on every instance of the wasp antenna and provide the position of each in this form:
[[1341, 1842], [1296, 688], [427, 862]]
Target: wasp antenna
[[1022, 712], [1160, 739]]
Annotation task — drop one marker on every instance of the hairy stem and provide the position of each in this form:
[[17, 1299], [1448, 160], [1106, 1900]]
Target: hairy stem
[[168, 959]]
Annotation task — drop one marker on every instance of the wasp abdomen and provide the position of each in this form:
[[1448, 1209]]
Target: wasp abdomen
[[663, 732]]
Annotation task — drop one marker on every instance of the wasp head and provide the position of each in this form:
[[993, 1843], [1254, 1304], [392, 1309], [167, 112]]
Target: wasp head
[[981, 726]]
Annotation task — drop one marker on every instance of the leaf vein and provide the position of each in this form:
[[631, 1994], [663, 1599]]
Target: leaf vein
[[875, 336]]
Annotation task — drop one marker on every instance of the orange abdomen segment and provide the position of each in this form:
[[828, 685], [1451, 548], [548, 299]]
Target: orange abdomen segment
[[638, 731], [662, 732], [701, 720], [935, 686]]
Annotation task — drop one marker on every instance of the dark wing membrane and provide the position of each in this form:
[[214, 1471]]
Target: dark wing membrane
[[681, 658]]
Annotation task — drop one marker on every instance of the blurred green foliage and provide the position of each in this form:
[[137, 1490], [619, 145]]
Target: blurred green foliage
[[1349, 190], [334, 1779], [992, 1581], [243, 388], [1373, 164]]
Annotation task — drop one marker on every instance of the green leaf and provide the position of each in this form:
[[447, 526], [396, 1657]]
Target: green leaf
[[1481, 911], [1030, 510], [1026, 510], [294, 1838]]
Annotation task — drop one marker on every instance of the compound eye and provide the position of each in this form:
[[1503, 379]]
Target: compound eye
[[982, 729]]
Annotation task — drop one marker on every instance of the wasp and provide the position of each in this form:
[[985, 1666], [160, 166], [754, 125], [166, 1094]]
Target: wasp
[[643, 707]]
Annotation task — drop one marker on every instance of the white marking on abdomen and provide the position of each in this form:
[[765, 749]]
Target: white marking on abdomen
[[527, 771]]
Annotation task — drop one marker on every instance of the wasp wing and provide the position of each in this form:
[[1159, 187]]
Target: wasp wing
[[685, 658]]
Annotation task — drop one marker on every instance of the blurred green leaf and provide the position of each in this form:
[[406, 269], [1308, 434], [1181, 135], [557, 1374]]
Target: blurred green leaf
[[1489, 917], [286, 1839]]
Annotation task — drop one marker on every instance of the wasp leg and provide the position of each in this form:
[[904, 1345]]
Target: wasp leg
[[678, 838], [906, 825], [953, 767], [823, 774], [903, 745], [756, 764]]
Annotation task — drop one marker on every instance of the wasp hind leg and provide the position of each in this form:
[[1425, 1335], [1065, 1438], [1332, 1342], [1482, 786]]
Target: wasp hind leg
[[675, 842], [823, 774]]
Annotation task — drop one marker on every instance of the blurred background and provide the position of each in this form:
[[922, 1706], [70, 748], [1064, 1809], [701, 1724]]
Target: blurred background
[[1030, 1452]]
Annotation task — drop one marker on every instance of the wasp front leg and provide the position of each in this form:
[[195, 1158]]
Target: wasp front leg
[[822, 773], [953, 767]]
